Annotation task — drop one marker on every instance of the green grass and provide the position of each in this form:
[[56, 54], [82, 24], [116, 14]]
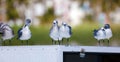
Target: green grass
[[82, 35]]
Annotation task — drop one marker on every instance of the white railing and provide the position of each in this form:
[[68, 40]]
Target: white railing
[[47, 53]]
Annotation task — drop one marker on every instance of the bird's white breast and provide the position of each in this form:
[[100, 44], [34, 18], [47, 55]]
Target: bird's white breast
[[7, 35], [64, 32], [108, 33], [54, 33], [100, 35], [26, 33]]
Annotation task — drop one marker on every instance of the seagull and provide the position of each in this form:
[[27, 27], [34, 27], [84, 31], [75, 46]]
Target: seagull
[[99, 34], [7, 32], [24, 33], [65, 31], [54, 32], [108, 32]]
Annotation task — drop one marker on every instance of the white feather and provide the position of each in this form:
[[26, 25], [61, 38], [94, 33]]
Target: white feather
[[7, 32], [108, 33], [7, 35], [100, 35], [64, 31], [54, 32], [26, 33]]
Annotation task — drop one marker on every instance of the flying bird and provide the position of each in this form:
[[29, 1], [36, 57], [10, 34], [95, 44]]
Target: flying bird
[[7, 32], [65, 31], [24, 33]]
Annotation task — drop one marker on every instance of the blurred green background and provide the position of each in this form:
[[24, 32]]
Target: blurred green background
[[10, 12]]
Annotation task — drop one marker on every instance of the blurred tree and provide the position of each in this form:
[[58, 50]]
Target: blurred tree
[[48, 16], [89, 18], [23, 2], [3, 10], [11, 10], [106, 5]]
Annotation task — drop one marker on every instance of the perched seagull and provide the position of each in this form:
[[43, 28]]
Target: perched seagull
[[108, 32], [99, 34], [24, 33], [65, 31], [54, 32], [7, 32]]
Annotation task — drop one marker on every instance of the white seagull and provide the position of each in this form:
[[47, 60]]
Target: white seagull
[[108, 32], [24, 33], [65, 31], [54, 32], [100, 34], [7, 32]]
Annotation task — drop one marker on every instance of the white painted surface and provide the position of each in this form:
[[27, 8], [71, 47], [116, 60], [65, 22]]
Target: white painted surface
[[47, 53], [30, 54]]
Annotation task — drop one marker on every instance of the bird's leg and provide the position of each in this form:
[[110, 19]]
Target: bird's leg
[[62, 42], [108, 42], [0, 42], [27, 42], [59, 42], [22, 42], [52, 42], [9, 42], [99, 42], [55, 42], [103, 42], [4, 43], [67, 41]]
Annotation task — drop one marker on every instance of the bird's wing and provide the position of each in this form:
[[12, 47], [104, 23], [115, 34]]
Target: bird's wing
[[51, 29], [12, 32], [2, 26], [108, 33], [70, 30], [95, 33], [19, 33], [98, 33]]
